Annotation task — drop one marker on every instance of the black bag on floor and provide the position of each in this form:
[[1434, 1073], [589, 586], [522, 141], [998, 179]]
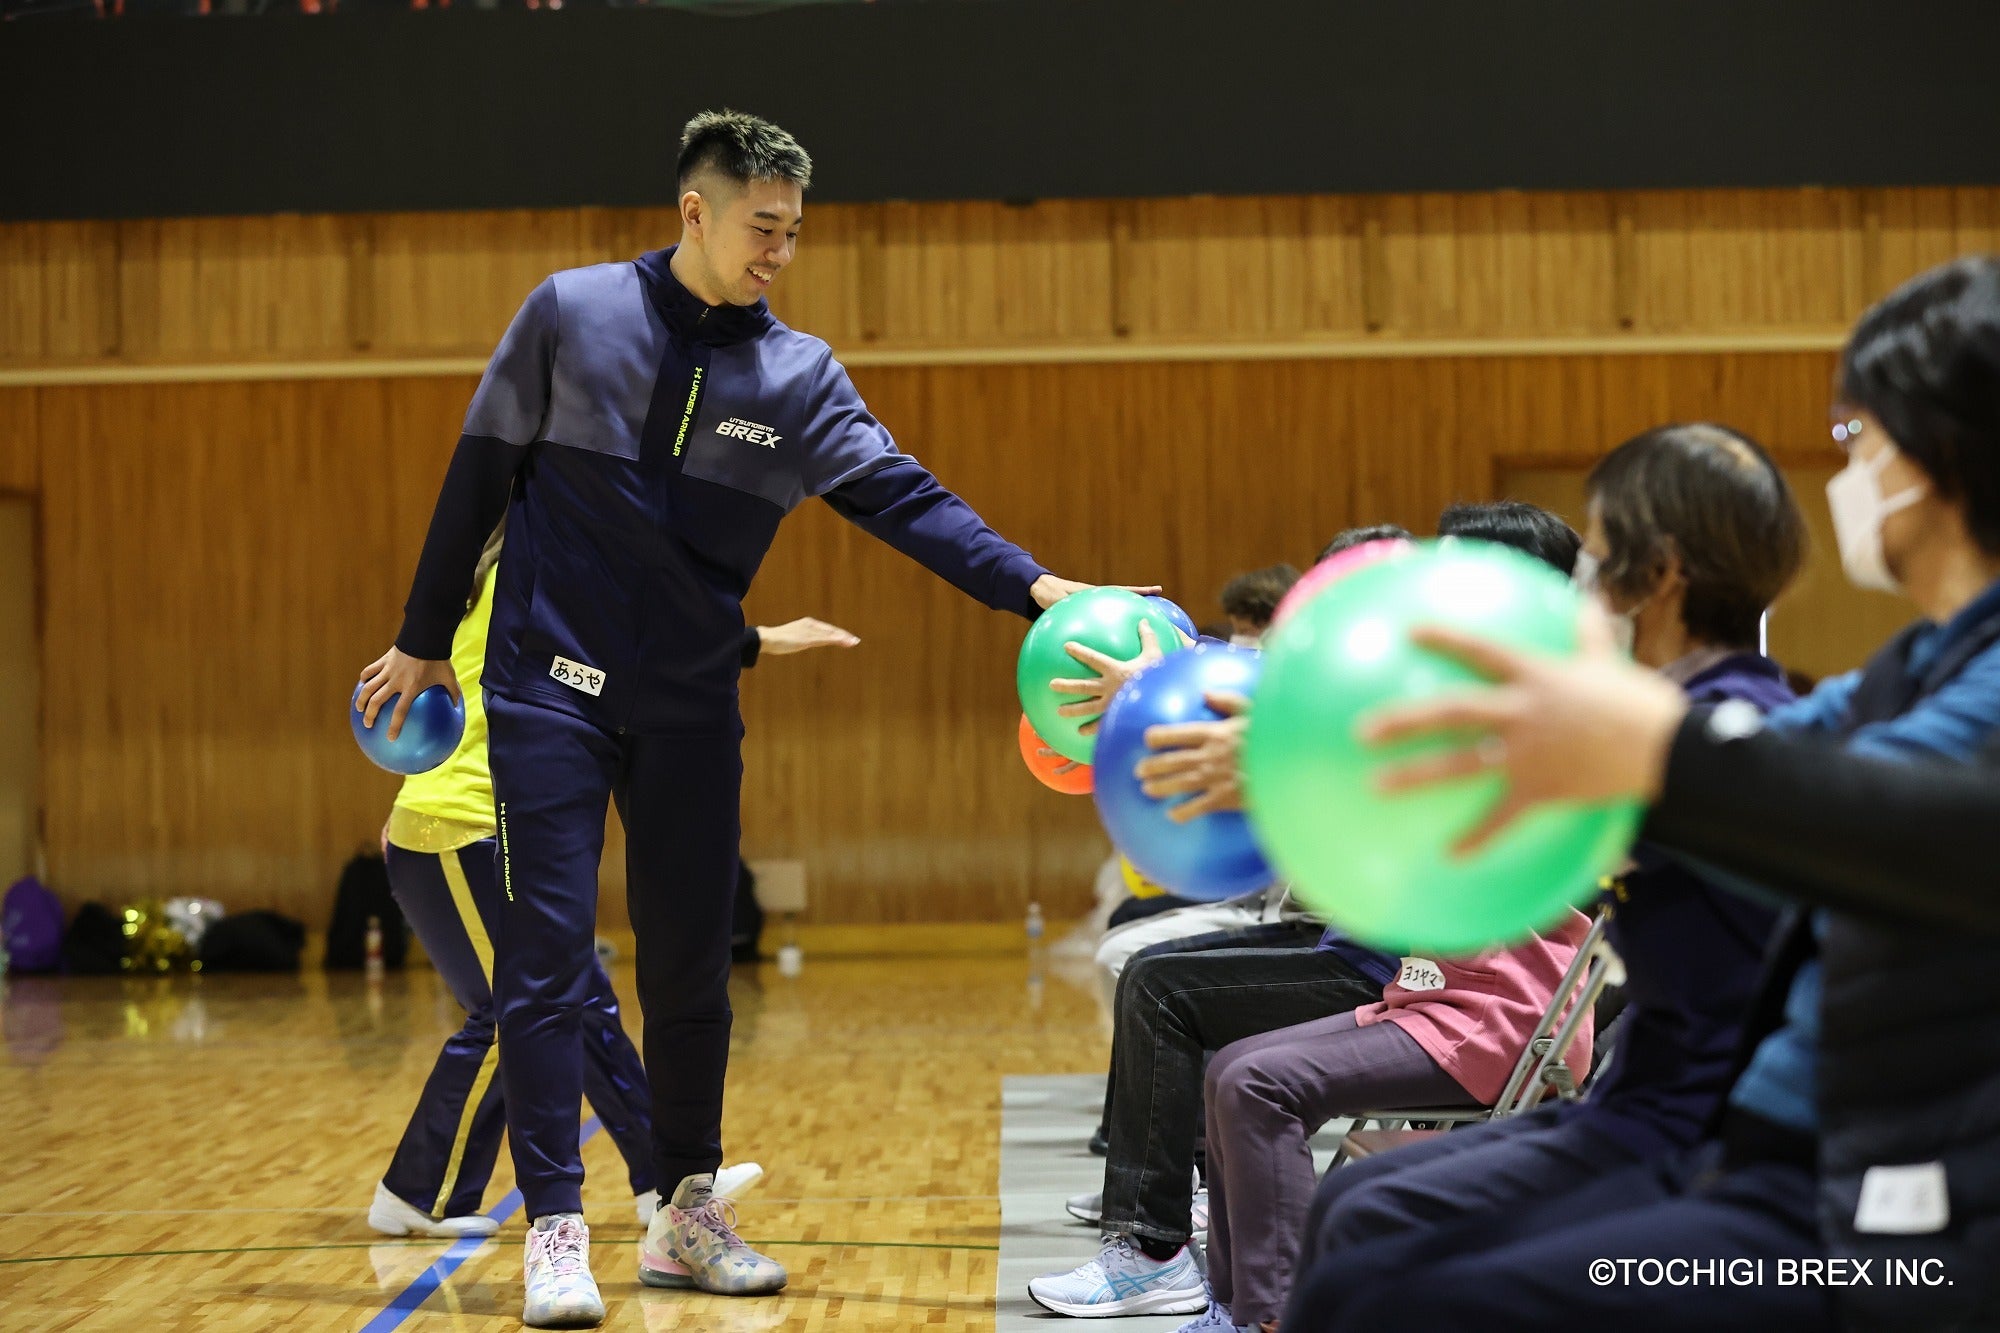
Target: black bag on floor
[[94, 945], [364, 892], [253, 942]]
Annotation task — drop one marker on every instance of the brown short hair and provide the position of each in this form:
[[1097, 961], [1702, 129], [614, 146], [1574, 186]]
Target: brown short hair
[[1255, 596], [1713, 498]]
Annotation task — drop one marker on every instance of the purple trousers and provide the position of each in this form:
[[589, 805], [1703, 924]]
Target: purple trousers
[[1267, 1096]]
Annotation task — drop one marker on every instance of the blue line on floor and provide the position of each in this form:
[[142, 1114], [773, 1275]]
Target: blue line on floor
[[406, 1301]]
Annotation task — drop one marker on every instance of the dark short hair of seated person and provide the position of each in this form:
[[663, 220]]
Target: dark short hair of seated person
[[1708, 501], [1926, 361], [1253, 597], [1353, 537], [1515, 523]]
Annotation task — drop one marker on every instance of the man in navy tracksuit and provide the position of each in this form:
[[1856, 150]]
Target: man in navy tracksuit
[[643, 427]]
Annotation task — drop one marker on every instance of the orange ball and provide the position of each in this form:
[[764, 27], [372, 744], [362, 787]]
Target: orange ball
[[1076, 782]]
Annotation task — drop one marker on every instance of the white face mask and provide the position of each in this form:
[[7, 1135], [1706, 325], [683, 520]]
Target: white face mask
[[1624, 624], [1855, 498], [1624, 628]]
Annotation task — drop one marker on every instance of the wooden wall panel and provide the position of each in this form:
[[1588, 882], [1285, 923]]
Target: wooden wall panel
[[59, 296], [970, 274], [217, 562], [1748, 259], [210, 288], [20, 442], [448, 283], [1337, 273], [220, 559]]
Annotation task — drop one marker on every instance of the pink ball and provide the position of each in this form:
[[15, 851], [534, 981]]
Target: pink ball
[[1335, 568]]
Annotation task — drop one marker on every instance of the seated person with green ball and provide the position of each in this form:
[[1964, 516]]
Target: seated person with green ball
[[1181, 999], [1692, 532], [1855, 1125]]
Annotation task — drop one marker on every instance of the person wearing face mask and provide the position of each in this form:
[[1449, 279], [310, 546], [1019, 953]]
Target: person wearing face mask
[[1692, 532], [1858, 1125]]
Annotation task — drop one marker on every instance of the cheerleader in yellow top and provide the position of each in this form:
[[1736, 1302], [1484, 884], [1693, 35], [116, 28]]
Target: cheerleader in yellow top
[[443, 871]]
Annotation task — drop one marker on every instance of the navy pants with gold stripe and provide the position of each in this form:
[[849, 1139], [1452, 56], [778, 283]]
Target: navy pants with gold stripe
[[445, 1159]]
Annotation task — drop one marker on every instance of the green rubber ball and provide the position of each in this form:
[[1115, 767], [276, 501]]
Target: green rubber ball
[[1106, 619], [1380, 866]]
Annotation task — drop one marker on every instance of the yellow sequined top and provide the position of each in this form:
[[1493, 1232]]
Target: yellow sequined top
[[451, 806]]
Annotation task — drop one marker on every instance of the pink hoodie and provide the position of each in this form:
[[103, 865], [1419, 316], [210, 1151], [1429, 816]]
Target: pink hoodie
[[1473, 1016]]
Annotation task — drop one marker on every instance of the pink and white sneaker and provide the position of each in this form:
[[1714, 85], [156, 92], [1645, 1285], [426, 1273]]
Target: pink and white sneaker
[[561, 1292], [692, 1243]]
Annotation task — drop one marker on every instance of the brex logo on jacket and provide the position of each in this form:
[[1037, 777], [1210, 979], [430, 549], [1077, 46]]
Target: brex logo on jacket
[[751, 431]]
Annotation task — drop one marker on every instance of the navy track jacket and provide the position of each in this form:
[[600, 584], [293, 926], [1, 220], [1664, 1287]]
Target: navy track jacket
[[643, 447]]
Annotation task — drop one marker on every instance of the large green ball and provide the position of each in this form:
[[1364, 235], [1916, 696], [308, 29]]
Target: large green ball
[[1380, 866], [1106, 619]]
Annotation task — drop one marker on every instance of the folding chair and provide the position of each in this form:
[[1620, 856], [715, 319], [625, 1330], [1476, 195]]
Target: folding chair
[[1539, 1072]]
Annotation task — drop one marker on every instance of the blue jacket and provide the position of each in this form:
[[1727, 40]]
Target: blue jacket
[[643, 447]]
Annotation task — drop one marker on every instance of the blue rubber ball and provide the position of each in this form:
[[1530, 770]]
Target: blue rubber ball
[[1210, 858], [430, 733], [1182, 620]]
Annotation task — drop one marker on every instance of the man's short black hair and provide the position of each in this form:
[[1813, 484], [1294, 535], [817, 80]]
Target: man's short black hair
[[1255, 596], [1926, 362], [1350, 538], [1524, 527], [741, 147]]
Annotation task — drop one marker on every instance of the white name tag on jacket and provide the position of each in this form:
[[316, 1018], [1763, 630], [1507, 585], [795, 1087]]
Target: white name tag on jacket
[[577, 676], [1903, 1200], [1420, 974]]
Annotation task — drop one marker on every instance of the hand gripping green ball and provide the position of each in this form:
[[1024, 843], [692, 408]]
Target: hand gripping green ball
[[1106, 619], [1380, 866]]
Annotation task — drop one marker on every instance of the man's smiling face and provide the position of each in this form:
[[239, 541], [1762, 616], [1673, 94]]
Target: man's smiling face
[[745, 235]]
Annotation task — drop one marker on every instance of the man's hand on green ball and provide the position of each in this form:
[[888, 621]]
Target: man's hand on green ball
[[1048, 589]]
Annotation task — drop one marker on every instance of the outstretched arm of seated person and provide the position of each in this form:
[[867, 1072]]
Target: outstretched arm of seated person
[[1887, 838]]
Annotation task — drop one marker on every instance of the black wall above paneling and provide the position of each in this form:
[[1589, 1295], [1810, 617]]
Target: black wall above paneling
[[997, 99]]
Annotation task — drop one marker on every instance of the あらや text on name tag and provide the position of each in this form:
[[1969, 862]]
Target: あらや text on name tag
[[1420, 974], [578, 676]]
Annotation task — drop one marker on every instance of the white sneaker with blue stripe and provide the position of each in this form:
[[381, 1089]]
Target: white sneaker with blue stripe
[[1215, 1319], [1122, 1281]]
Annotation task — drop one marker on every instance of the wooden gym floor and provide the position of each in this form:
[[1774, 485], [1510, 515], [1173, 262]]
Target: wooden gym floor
[[199, 1152]]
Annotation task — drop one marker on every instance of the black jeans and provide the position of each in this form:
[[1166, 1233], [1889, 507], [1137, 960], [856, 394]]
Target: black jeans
[[1174, 1005], [1263, 935]]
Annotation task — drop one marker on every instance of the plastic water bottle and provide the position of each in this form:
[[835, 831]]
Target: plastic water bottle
[[1036, 955]]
